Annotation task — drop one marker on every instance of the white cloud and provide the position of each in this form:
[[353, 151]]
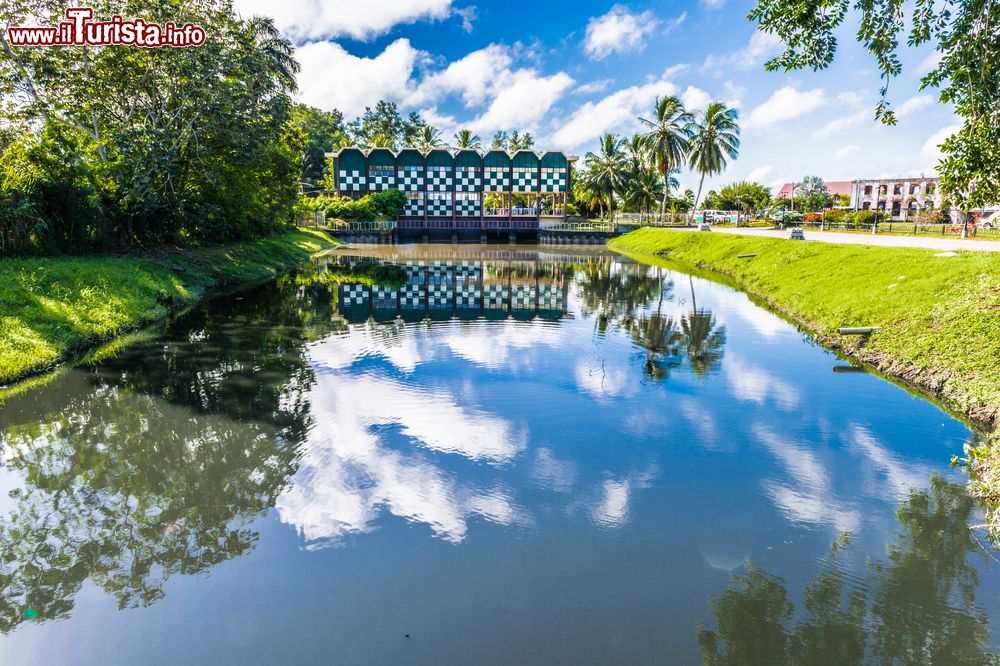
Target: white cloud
[[333, 78], [675, 23], [617, 112], [523, 98], [850, 98], [762, 45], [842, 123], [761, 172], [784, 104], [931, 150], [304, 20], [672, 71], [593, 87], [846, 151], [734, 94], [472, 77], [713, 4], [914, 104], [695, 98], [930, 62], [618, 31]]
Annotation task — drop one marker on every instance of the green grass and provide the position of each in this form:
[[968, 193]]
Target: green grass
[[939, 316], [56, 308]]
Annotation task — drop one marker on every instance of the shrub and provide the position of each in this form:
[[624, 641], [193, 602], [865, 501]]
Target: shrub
[[834, 216], [866, 217], [377, 206]]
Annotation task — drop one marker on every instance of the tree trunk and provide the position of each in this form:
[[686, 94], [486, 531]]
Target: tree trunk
[[666, 193], [697, 197]]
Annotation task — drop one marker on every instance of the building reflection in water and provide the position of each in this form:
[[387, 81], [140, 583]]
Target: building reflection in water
[[467, 289]]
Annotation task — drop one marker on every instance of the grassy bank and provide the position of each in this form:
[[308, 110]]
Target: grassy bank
[[52, 309], [939, 315]]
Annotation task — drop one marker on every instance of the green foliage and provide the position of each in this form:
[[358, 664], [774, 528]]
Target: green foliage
[[962, 32], [130, 146], [385, 127], [747, 197], [51, 309], [384, 205], [321, 132]]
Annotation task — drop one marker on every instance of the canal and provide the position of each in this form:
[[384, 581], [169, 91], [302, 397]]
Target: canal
[[424, 454]]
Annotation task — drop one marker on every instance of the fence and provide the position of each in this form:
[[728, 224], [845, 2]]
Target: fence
[[907, 228]]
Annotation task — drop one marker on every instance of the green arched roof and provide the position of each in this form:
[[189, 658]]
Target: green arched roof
[[497, 159], [381, 157], [410, 157], [439, 158], [525, 159], [468, 158]]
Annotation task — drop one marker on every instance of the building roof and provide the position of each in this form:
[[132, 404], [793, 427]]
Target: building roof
[[834, 187]]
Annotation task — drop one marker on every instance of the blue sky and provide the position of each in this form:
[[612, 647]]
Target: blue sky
[[568, 71]]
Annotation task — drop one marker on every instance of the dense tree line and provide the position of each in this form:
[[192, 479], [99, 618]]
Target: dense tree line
[[129, 147]]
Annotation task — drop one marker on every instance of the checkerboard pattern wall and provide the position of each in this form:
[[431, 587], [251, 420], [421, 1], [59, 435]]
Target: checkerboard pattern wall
[[495, 296], [415, 272], [439, 296], [351, 181], [412, 297], [468, 207], [550, 297], [354, 294], [381, 179], [439, 205], [553, 180], [414, 204], [467, 270], [525, 180], [439, 180], [410, 179], [497, 180], [524, 297], [468, 296], [468, 180], [384, 298]]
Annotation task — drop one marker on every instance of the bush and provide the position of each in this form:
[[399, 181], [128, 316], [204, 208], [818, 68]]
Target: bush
[[377, 206], [866, 217], [835, 216]]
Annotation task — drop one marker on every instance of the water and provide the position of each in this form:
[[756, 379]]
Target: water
[[536, 457]]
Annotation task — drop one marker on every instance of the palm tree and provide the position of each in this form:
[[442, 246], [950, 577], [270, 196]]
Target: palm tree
[[607, 170], [714, 137], [466, 140], [279, 51], [500, 140], [667, 139], [644, 191], [428, 139], [638, 153]]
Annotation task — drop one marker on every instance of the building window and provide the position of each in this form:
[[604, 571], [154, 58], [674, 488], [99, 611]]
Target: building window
[[467, 204], [866, 205], [883, 189], [439, 204], [915, 189], [897, 189], [931, 188], [868, 189]]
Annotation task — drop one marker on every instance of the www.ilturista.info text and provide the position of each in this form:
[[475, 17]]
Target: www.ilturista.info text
[[79, 29]]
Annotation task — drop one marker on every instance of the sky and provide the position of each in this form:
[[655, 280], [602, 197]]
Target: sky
[[567, 71]]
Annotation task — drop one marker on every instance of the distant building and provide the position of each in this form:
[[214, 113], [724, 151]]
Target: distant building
[[842, 187], [462, 190], [900, 198]]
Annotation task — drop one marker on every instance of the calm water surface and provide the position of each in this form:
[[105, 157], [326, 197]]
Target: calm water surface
[[498, 456]]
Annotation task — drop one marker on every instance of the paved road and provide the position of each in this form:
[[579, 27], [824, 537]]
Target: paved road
[[886, 240]]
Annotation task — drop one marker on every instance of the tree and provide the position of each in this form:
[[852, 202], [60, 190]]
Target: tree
[[466, 140], [520, 141], [428, 139], [813, 194], [385, 127], [747, 197], [500, 140], [322, 131], [964, 36], [643, 191], [607, 170], [668, 138], [715, 135], [166, 143]]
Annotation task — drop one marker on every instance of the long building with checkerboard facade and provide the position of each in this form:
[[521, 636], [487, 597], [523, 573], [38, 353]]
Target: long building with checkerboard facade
[[465, 189]]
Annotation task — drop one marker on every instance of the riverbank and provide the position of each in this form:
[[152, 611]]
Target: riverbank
[[938, 313], [53, 309]]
